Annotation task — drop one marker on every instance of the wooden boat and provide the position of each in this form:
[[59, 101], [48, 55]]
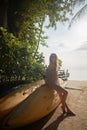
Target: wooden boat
[[35, 106], [11, 100], [40, 103]]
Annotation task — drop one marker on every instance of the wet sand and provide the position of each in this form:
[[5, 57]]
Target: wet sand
[[77, 102]]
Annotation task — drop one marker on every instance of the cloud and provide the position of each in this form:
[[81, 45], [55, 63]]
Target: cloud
[[82, 47], [61, 45], [56, 44]]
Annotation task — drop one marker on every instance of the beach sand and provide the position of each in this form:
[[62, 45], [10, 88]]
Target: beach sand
[[77, 102]]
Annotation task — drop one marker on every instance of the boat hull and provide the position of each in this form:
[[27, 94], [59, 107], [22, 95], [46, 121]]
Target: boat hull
[[11, 100], [37, 105]]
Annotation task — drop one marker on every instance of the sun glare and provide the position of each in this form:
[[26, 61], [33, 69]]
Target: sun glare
[[80, 30], [77, 34]]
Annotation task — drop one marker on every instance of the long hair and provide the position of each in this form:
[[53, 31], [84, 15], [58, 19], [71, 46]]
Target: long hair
[[52, 70], [53, 60]]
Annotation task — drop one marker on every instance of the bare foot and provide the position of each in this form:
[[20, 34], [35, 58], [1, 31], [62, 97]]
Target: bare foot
[[71, 113], [68, 112]]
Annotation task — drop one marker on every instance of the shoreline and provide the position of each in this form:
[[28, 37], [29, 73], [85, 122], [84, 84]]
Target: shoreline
[[77, 79], [6, 88]]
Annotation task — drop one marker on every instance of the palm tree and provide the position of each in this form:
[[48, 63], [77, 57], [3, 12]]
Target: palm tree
[[79, 13]]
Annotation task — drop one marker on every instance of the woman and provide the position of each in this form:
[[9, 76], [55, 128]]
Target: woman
[[51, 80]]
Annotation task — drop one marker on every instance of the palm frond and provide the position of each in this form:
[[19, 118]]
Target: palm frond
[[79, 14]]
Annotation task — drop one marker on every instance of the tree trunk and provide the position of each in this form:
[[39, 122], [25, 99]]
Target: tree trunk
[[3, 13]]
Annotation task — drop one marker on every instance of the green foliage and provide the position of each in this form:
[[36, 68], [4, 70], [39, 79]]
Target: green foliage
[[37, 69], [22, 13], [17, 61], [19, 56], [8, 44], [60, 63], [33, 36]]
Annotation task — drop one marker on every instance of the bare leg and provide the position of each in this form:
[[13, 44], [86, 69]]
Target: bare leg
[[63, 96]]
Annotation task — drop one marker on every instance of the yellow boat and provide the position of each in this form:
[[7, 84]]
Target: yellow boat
[[36, 105], [11, 100]]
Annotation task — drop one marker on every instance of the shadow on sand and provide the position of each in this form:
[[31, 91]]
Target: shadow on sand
[[54, 125], [38, 125]]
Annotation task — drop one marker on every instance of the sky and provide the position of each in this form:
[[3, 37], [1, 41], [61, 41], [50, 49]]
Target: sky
[[70, 45]]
